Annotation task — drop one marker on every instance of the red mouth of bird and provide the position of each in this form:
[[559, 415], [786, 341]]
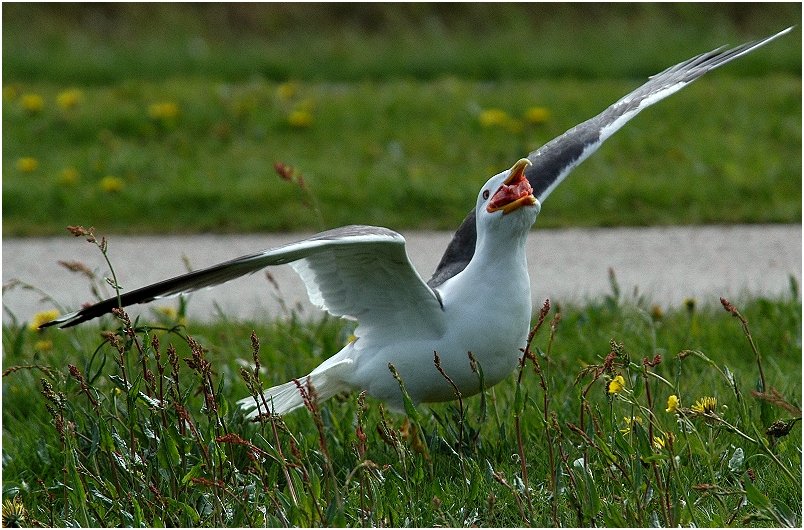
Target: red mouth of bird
[[515, 192]]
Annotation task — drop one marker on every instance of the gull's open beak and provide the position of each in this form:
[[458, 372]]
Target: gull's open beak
[[515, 191]]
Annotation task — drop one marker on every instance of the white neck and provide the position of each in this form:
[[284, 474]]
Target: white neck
[[498, 270]]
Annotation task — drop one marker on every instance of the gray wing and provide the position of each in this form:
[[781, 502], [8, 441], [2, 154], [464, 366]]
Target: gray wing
[[357, 272], [556, 159]]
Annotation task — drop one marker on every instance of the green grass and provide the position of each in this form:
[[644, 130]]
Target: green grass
[[394, 96], [105, 446], [133, 435], [403, 154], [104, 45]]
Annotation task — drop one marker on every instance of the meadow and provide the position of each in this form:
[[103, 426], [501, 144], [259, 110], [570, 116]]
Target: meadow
[[110, 122], [622, 415], [168, 118]]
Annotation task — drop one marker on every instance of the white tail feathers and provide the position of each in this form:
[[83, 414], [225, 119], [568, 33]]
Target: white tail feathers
[[287, 397]]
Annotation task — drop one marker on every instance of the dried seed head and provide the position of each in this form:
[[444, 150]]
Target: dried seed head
[[59, 423], [247, 378], [197, 362], [473, 363], [155, 346], [781, 428], [728, 306], [231, 438], [255, 343], [255, 350], [78, 267], [361, 401], [123, 316], [656, 361], [47, 390], [284, 171], [75, 373], [80, 231], [173, 358], [116, 341]]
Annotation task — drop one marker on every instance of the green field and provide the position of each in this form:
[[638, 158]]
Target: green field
[[170, 118], [115, 451], [110, 121]]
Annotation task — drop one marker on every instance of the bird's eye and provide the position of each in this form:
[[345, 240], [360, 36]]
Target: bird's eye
[[485, 194]]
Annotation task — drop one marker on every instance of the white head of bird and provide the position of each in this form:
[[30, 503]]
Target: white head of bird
[[506, 207]]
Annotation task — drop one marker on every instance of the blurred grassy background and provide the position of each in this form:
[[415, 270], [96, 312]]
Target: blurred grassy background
[[103, 44], [164, 117]]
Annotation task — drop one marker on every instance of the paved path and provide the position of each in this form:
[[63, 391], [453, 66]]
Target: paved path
[[668, 264]]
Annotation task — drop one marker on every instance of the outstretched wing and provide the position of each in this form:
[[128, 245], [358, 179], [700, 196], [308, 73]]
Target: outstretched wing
[[556, 159], [358, 272]]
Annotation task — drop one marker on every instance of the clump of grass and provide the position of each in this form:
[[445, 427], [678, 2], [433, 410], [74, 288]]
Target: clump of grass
[[617, 416]]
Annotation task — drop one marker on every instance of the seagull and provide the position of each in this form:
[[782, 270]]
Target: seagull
[[478, 300], [363, 273]]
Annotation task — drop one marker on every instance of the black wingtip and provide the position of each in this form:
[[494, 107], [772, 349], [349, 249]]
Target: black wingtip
[[87, 313], [66, 321]]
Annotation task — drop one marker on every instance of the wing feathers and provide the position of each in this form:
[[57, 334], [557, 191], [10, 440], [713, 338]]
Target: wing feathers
[[556, 159], [350, 271]]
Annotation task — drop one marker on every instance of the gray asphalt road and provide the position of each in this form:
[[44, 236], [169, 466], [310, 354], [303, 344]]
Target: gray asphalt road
[[668, 264]]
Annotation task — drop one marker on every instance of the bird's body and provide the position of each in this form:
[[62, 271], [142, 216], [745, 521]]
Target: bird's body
[[478, 299], [485, 310]]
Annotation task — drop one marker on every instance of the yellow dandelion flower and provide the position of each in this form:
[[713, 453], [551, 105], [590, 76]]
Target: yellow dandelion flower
[[616, 385], [69, 99], [68, 176], [43, 317], [300, 119], [27, 164], [111, 184], [658, 442], [705, 405], [164, 111], [32, 103], [537, 115], [43, 345], [689, 303], [672, 403], [286, 91], [494, 118], [14, 513]]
